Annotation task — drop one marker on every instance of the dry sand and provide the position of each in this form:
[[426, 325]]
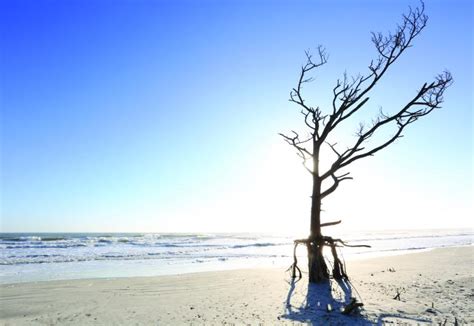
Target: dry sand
[[435, 287]]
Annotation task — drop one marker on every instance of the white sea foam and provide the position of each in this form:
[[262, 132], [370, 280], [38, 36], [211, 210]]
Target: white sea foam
[[31, 257]]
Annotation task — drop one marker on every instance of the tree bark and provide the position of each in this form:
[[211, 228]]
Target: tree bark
[[317, 267], [315, 227]]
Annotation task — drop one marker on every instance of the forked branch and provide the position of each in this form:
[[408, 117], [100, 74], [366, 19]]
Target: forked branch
[[336, 181], [302, 151], [350, 94], [313, 116], [428, 98]]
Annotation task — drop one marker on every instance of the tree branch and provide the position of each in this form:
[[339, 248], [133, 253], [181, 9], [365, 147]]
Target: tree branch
[[334, 186], [428, 98], [302, 152], [352, 94], [297, 97]]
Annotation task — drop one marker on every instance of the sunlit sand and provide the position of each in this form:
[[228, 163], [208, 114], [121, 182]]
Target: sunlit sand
[[433, 287]]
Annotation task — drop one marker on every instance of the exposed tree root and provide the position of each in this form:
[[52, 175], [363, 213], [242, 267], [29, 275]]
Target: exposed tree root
[[318, 268], [294, 267]]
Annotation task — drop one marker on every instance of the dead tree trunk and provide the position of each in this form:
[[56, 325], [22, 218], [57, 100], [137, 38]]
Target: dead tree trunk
[[317, 267]]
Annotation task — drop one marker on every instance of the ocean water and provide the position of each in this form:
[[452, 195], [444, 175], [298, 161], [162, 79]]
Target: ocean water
[[26, 257]]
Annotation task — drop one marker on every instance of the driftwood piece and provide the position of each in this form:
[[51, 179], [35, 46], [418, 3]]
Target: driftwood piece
[[399, 292], [352, 306]]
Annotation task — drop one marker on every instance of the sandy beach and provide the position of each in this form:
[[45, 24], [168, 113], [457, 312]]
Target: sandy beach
[[434, 286]]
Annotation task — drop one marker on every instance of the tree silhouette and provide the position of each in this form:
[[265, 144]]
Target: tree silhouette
[[350, 95]]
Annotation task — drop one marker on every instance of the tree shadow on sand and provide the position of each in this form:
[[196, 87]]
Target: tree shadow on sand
[[312, 308], [323, 305]]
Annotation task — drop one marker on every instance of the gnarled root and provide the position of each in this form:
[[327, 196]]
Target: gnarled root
[[318, 269]]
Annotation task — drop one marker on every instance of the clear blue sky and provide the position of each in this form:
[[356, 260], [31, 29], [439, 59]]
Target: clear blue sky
[[163, 115]]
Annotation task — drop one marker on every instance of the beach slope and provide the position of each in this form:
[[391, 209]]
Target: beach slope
[[433, 287]]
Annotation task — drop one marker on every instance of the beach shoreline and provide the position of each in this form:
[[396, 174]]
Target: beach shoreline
[[434, 286], [61, 256]]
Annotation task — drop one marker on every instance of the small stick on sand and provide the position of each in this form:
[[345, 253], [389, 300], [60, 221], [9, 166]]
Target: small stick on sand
[[397, 297], [352, 306]]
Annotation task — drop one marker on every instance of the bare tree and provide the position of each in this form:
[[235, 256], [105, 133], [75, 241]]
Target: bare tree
[[350, 95]]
